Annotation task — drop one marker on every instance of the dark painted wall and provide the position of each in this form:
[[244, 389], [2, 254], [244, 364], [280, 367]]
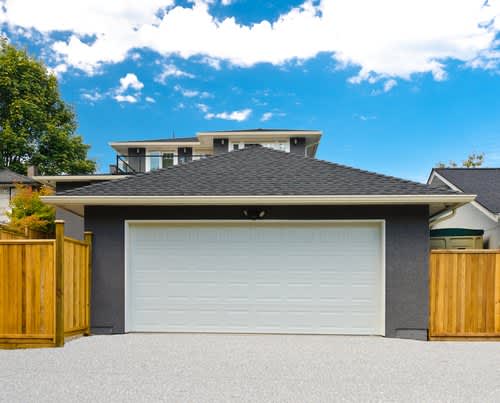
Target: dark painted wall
[[407, 247], [221, 146], [73, 223], [137, 159], [298, 145]]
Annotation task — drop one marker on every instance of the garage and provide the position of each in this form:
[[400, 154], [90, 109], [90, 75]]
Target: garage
[[269, 276]]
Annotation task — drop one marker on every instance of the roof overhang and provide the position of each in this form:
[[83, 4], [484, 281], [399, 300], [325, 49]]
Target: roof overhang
[[490, 214], [437, 203]]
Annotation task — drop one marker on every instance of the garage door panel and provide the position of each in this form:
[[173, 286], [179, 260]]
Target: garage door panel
[[318, 278]]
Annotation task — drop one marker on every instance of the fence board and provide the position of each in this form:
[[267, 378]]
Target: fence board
[[26, 270], [28, 291], [75, 285], [464, 293]]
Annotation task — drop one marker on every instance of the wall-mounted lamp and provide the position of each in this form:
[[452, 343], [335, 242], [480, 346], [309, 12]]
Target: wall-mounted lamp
[[254, 213]]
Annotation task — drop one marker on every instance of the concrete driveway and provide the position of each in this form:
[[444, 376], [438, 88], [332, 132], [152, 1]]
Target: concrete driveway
[[217, 368]]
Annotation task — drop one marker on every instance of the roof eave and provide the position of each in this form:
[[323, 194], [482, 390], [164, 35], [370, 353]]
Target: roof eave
[[76, 203]]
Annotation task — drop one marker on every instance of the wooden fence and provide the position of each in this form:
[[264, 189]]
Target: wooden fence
[[464, 294], [44, 290], [7, 233]]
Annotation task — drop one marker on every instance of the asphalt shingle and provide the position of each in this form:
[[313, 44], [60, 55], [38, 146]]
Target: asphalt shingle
[[8, 177], [257, 171], [484, 182]]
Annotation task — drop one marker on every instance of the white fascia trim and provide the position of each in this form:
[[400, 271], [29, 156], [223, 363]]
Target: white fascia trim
[[257, 200], [480, 207]]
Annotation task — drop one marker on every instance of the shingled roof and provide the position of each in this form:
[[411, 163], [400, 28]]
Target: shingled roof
[[484, 182], [257, 171], [8, 177]]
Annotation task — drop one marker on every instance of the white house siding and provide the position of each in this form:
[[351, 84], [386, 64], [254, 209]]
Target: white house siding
[[4, 203], [470, 217]]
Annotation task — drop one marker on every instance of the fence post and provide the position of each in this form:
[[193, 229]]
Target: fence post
[[88, 239], [59, 319]]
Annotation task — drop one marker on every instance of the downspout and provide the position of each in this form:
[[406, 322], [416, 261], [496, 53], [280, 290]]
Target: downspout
[[443, 218]]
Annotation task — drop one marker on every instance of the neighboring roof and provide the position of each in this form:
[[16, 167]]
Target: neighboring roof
[[8, 177], [484, 182], [169, 140], [258, 171]]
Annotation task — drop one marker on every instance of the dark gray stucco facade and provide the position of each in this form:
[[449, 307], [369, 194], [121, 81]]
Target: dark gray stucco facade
[[407, 248]]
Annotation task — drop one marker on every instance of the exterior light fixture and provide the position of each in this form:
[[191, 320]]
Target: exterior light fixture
[[254, 213]]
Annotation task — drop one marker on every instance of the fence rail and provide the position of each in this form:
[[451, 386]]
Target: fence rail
[[44, 290], [464, 294]]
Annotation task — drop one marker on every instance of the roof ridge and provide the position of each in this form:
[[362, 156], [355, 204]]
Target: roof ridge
[[336, 164]]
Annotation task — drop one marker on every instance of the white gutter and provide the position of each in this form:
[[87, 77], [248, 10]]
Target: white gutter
[[253, 200], [480, 207], [433, 221]]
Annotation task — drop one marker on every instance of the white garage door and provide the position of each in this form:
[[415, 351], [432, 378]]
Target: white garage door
[[255, 277]]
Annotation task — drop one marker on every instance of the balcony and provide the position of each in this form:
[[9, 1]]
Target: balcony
[[131, 164]]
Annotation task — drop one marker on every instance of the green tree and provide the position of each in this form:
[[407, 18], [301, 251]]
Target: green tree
[[36, 126], [473, 161], [29, 212]]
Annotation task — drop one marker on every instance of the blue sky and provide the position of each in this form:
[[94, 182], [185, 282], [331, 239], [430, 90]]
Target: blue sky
[[388, 95]]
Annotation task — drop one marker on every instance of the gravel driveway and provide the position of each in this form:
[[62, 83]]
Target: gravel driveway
[[217, 368]]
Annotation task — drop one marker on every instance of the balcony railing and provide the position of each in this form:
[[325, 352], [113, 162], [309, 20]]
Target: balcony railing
[[131, 164]]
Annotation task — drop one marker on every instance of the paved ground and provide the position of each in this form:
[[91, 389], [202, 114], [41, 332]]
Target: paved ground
[[218, 368]]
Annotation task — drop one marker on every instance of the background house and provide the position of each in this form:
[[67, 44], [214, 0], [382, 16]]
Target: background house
[[484, 212], [8, 182], [135, 156]]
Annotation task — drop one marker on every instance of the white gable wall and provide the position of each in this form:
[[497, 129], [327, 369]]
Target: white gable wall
[[471, 217]]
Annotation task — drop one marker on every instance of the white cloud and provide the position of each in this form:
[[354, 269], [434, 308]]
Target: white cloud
[[389, 85], [212, 62], [226, 2], [202, 107], [92, 96], [364, 118], [171, 70], [151, 100], [130, 81], [266, 116], [192, 93], [126, 98], [59, 70], [384, 39], [238, 116]]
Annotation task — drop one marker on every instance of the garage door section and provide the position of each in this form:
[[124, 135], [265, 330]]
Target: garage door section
[[255, 277]]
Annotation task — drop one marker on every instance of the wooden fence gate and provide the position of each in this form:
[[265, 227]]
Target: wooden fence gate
[[44, 290], [464, 294]]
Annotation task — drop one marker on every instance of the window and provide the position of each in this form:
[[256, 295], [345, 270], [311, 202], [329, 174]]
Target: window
[[167, 160], [154, 160], [236, 146]]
